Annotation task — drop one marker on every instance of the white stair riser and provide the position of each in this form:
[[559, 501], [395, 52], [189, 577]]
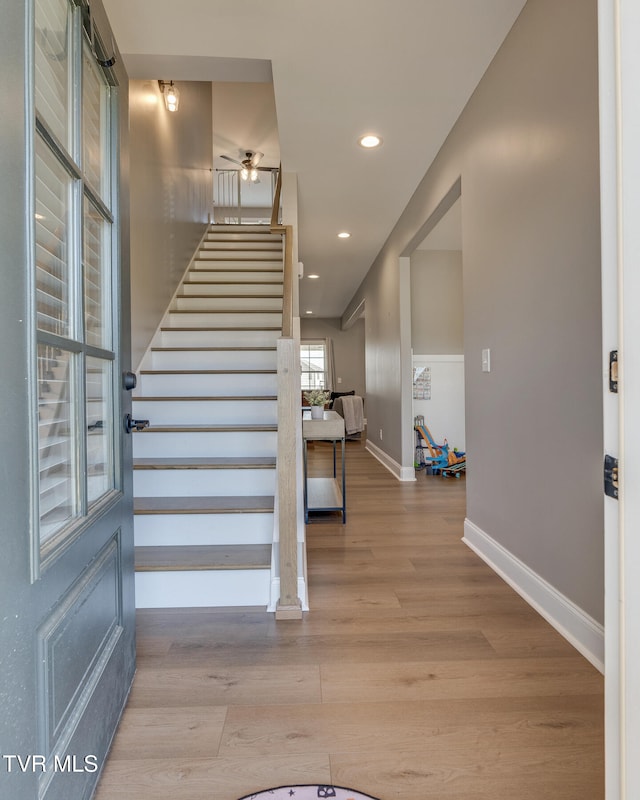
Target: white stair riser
[[241, 238], [225, 303], [242, 264], [225, 384], [203, 482], [196, 412], [213, 359], [239, 230], [202, 588], [254, 249], [250, 338], [247, 240], [197, 319], [173, 530], [226, 289], [186, 445], [246, 276]]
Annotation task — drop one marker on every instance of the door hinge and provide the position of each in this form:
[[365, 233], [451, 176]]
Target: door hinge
[[613, 371], [611, 476]]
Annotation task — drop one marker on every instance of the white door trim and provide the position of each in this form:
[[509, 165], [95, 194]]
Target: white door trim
[[619, 58]]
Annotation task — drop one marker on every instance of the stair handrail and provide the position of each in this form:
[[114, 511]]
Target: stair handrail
[[287, 233], [275, 208]]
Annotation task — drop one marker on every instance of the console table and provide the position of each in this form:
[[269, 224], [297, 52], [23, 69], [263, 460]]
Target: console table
[[329, 493]]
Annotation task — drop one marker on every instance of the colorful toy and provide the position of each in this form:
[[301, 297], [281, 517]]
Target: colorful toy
[[440, 459]]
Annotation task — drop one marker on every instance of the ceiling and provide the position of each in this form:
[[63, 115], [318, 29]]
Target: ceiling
[[403, 69]]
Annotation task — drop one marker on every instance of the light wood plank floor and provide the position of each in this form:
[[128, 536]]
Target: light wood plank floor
[[417, 674]]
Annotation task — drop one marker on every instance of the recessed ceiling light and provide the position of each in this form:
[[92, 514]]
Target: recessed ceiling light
[[344, 235], [370, 140], [308, 312], [313, 277]]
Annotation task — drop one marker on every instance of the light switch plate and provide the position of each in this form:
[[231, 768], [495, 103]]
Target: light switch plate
[[486, 360]]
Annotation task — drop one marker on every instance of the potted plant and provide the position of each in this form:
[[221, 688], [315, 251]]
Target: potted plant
[[316, 399]]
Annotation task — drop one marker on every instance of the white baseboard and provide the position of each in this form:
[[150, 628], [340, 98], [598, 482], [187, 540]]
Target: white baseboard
[[400, 472], [578, 628]]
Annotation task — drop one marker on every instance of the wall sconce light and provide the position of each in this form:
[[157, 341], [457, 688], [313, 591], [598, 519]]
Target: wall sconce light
[[171, 95]]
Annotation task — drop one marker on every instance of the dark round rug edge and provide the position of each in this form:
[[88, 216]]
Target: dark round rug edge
[[328, 791]]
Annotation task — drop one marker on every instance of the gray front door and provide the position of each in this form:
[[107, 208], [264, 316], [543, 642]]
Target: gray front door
[[67, 650]]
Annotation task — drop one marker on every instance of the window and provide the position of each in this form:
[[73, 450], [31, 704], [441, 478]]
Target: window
[[313, 362], [72, 275]]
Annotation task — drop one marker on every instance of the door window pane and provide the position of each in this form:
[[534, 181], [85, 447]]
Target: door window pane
[[73, 276], [100, 440], [56, 440], [53, 200], [53, 66], [97, 274], [95, 126]]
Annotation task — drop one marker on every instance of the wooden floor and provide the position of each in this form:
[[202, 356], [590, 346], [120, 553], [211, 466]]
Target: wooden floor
[[417, 674]]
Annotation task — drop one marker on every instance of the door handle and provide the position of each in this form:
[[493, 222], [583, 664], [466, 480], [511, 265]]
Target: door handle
[[131, 424]]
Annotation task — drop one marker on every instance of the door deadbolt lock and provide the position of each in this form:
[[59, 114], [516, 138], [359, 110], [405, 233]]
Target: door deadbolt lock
[[129, 381]]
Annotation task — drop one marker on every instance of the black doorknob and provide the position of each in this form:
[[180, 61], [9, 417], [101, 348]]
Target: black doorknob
[[131, 424]]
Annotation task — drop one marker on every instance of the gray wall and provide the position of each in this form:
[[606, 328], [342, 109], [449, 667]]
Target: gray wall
[[348, 350], [436, 302], [171, 196], [526, 150]]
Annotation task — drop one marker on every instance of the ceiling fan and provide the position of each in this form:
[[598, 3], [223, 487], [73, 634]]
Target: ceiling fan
[[249, 165]]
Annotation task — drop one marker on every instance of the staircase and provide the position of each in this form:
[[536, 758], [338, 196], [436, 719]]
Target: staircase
[[204, 471]]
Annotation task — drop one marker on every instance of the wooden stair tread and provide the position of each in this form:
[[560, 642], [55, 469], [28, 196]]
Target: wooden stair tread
[[203, 557], [216, 504], [238, 246], [198, 399], [231, 428], [208, 371], [210, 349], [260, 329], [228, 296], [225, 310], [206, 462], [234, 268]]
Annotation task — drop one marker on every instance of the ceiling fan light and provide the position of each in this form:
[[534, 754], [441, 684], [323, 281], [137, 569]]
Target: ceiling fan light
[[244, 174], [254, 175]]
